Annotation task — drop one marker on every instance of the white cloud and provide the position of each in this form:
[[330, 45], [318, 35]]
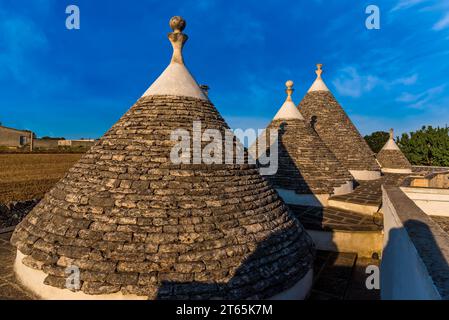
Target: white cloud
[[351, 83], [408, 97], [442, 24], [406, 81], [420, 100], [406, 4]]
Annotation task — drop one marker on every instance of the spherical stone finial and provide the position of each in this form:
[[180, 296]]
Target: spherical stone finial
[[177, 38], [289, 90], [289, 84], [177, 24]]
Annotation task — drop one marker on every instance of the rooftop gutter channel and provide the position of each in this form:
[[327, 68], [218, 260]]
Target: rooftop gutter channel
[[433, 253]]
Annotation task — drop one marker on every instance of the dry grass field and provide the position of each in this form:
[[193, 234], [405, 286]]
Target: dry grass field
[[30, 176]]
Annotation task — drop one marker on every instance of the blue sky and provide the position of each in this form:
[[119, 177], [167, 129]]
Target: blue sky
[[77, 83]]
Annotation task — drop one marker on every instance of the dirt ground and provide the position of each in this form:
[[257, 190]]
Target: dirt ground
[[30, 176]]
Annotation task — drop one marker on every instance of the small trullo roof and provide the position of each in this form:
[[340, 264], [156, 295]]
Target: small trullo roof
[[305, 164], [391, 157], [321, 109]]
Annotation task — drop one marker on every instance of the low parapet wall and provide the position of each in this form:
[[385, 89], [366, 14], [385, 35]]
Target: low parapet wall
[[415, 259], [45, 144], [435, 179], [429, 168]]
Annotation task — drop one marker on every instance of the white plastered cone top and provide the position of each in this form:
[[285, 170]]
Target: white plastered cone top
[[288, 109], [176, 79], [391, 144], [319, 84]]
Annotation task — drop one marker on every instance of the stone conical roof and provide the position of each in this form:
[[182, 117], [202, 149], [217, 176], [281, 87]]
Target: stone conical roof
[[305, 165], [392, 159], [334, 127], [137, 225]]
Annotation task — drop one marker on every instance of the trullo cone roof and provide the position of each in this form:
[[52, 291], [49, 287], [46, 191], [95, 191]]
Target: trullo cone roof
[[334, 127], [134, 223], [305, 164], [391, 157]]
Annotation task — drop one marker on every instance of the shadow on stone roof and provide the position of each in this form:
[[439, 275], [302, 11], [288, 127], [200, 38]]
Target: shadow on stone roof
[[262, 275], [288, 173]]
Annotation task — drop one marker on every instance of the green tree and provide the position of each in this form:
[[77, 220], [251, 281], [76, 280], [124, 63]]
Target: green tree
[[52, 138], [428, 146], [377, 140]]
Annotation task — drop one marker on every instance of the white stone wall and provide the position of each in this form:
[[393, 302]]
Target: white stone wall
[[403, 272]]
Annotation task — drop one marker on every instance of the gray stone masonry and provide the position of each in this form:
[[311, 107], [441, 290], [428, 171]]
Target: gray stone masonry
[[393, 159], [135, 223], [337, 131], [306, 165]]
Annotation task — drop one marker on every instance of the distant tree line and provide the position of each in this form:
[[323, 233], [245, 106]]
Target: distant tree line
[[52, 138], [428, 146], [377, 140]]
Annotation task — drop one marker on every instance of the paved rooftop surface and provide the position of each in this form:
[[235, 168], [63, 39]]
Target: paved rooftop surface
[[341, 276], [370, 192], [443, 222], [327, 219]]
